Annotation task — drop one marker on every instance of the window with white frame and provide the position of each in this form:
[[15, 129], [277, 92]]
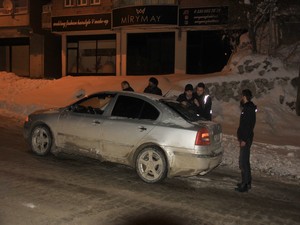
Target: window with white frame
[[69, 3], [81, 2], [95, 2]]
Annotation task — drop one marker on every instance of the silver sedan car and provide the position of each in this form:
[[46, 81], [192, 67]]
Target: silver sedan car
[[157, 136]]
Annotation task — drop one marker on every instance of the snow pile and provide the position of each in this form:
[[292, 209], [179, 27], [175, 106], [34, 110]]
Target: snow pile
[[266, 159], [276, 147]]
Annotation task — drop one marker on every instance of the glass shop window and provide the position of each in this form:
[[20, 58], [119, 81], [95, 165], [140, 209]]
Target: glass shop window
[[81, 2], [87, 57], [91, 55], [69, 3], [95, 2], [106, 56]]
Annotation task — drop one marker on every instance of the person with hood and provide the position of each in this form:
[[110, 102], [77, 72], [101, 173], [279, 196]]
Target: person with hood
[[245, 136], [203, 102], [152, 87], [187, 97], [126, 86]]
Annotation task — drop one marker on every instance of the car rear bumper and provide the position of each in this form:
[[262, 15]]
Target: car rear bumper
[[187, 164]]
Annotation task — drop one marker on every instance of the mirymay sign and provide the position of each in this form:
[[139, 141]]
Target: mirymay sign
[[203, 16], [86, 22], [145, 15]]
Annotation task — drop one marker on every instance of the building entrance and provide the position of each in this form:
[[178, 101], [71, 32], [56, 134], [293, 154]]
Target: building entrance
[[150, 53]]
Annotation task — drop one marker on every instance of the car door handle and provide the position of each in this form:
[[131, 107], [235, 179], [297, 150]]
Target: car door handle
[[96, 122], [142, 128]]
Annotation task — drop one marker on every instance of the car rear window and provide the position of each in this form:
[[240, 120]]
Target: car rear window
[[134, 108], [187, 113]]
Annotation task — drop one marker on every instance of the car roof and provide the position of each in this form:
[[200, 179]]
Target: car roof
[[130, 93]]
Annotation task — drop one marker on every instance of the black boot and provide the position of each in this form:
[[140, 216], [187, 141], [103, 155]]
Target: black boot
[[242, 188], [240, 184]]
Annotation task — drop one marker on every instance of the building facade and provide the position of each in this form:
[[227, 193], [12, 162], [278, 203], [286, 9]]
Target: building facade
[[141, 37], [23, 43], [117, 37]]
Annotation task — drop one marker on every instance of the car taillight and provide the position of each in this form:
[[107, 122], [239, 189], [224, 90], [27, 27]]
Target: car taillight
[[202, 137]]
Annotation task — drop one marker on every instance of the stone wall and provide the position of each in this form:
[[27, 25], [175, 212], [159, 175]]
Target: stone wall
[[260, 86]]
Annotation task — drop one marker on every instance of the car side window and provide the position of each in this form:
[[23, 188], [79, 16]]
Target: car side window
[[104, 100], [149, 112], [89, 106], [134, 108]]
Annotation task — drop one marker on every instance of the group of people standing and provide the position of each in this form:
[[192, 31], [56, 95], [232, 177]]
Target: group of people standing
[[152, 87], [197, 99]]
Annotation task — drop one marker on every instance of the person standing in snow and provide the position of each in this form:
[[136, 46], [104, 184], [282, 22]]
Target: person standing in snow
[[187, 97], [245, 137], [126, 86], [203, 102], [152, 87]]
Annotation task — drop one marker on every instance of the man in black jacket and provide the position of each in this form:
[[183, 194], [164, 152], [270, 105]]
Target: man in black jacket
[[203, 102], [152, 87], [187, 97], [245, 137]]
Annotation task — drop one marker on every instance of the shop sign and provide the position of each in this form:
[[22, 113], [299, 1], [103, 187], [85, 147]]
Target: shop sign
[[145, 15], [203, 16], [85, 22]]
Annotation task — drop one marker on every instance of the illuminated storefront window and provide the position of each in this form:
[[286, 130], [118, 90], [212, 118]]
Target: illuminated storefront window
[[91, 55]]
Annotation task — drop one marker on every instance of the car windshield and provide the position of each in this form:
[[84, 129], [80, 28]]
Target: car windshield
[[187, 113], [93, 104]]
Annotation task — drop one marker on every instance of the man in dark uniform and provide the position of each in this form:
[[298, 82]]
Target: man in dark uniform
[[245, 137], [203, 102], [152, 87], [187, 98]]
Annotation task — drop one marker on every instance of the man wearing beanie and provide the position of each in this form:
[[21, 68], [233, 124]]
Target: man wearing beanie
[[187, 98], [152, 87]]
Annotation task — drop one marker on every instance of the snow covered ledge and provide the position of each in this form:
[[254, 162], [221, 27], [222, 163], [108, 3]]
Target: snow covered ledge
[[269, 159]]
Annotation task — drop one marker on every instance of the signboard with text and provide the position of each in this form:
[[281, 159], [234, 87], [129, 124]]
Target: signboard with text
[[138, 15], [78, 23], [203, 16]]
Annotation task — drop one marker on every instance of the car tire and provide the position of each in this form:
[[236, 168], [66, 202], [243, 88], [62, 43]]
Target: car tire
[[41, 140], [151, 165]]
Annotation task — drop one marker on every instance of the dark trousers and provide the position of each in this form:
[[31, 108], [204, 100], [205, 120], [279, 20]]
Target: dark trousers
[[244, 162]]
